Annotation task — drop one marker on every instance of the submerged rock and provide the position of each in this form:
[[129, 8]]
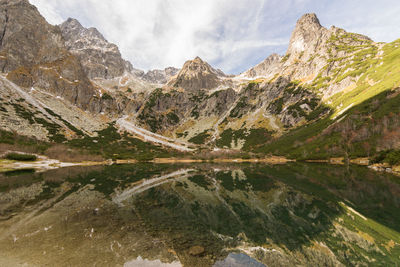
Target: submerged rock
[[196, 250]]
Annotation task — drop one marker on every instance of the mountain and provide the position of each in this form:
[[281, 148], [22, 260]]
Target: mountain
[[197, 74], [33, 53], [321, 79], [66, 82], [307, 36], [268, 68], [311, 50], [160, 76], [45, 92], [102, 59], [99, 58], [334, 97]]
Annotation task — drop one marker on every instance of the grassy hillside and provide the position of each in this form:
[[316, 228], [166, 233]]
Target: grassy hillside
[[109, 144], [363, 122]]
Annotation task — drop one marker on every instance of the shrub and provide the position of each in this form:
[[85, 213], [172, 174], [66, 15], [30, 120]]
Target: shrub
[[172, 118], [200, 138], [20, 157], [106, 96], [393, 158]]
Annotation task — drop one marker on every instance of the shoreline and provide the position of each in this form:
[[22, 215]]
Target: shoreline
[[45, 164], [378, 167]]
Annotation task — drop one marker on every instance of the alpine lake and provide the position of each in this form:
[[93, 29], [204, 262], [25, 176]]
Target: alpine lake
[[295, 214]]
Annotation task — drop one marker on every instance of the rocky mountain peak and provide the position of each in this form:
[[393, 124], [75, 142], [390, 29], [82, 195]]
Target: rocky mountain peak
[[160, 76], [16, 2], [197, 74], [33, 54], [73, 23], [306, 35], [309, 20], [100, 58], [268, 67], [199, 65], [196, 64]]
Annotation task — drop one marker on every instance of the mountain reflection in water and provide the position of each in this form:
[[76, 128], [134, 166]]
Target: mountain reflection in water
[[200, 215]]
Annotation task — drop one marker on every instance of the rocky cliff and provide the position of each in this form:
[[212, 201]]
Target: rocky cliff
[[102, 59], [268, 68], [99, 58], [33, 54], [160, 76], [284, 92], [197, 74]]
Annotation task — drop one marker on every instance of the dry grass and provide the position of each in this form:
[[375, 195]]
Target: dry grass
[[66, 154], [57, 151]]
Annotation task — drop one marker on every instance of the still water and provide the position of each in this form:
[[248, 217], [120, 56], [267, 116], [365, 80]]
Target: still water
[[200, 215]]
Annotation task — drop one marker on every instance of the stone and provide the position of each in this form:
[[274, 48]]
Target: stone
[[196, 250]]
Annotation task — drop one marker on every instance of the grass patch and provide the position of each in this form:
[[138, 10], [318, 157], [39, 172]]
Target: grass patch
[[19, 172], [110, 144], [252, 138]]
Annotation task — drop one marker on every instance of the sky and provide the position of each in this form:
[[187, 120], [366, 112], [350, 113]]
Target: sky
[[232, 35]]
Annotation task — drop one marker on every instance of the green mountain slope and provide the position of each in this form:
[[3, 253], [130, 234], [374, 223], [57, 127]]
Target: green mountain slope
[[361, 123]]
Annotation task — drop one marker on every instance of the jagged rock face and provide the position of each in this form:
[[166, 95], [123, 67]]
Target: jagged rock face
[[272, 106], [137, 72], [33, 53], [307, 52], [197, 74], [269, 67], [22, 31], [167, 110], [307, 42], [160, 76], [99, 58], [306, 36], [311, 48], [37, 113]]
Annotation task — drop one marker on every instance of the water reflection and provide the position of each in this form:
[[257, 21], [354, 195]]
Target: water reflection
[[202, 215], [238, 260], [146, 263]]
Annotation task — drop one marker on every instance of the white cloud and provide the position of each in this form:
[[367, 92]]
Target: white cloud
[[231, 34], [161, 33], [48, 11]]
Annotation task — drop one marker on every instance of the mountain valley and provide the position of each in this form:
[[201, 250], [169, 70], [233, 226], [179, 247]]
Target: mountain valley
[[293, 162], [324, 98]]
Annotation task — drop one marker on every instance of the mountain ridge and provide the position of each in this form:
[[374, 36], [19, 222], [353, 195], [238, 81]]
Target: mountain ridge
[[324, 74], [197, 74], [100, 58]]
